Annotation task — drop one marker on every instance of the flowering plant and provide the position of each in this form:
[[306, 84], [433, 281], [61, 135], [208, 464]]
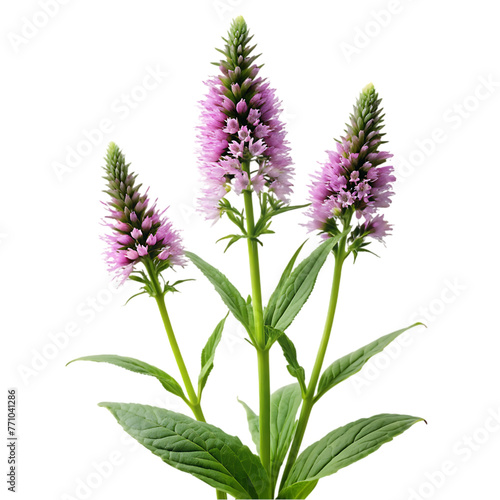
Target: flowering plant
[[244, 151]]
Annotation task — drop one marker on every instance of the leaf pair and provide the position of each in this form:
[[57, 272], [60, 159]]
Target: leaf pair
[[223, 462], [293, 290], [285, 403]]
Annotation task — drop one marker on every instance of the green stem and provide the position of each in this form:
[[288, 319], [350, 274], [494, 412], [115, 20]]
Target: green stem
[[260, 340], [308, 401], [193, 398], [194, 402]]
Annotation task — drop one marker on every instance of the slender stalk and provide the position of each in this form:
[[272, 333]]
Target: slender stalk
[[194, 402], [308, 401], [262, 353], [193, 398]]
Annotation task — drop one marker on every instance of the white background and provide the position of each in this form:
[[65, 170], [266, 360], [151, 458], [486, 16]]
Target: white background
[[69, 71]]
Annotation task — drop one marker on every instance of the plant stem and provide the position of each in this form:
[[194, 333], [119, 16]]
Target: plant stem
[[262, 352], [308, 401], [193, 398], [194, 402]]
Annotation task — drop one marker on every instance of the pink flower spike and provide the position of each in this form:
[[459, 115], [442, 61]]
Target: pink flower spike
[[354, 179], [124, 250], [255, 103]]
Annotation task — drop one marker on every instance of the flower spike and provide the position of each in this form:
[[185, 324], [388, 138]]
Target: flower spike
[[138, 231], [354, 179], [240, 123]]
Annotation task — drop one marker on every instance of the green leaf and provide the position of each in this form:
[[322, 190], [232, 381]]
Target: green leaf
[[134, 296], [273, 300], [227, 291], [285, 403], [137, 366], [293, 367], [251, 324], [352, 363], [289, 208], [299, 285], [208, 355], [343, 447], [198, 448], [298, 490], [253, 424]]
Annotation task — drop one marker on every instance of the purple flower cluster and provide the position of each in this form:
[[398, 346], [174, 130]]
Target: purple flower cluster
[[138, 231], [240, 124], [354, 179]]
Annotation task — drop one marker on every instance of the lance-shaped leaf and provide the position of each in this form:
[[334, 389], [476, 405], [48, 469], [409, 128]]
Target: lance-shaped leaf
[[201, 449], [137, 366], [285, 403], [340, 448], [208, 355], [253, 424], [298, 286], [298, 490], [273, 300], [293, 366], [227, 291], [352, 363]]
